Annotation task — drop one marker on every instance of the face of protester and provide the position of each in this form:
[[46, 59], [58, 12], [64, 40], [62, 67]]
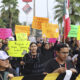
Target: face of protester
[[3, 41], [0, 45], [6, 41], [46, 46], [63, 53], [50, 45], [33, 49], [6, 48], [4, 63], [39, 44]]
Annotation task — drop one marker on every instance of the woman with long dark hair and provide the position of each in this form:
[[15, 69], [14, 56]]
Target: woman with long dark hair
[[32, 61]]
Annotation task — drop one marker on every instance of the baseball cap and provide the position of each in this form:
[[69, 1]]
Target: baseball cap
[[3, 55], [11, 38]]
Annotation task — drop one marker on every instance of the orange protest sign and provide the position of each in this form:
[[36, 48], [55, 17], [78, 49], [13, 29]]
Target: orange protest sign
[[50, 30], [22, 29], [28, 30], [37, 22], [44, 29]]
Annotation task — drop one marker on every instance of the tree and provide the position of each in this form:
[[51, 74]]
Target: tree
[[74, 11], [10, 15], [2, 24]]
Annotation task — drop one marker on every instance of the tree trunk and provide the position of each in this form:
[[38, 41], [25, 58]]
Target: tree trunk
[[10, 18]]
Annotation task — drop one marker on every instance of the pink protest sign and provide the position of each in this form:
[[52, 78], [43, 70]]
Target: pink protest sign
[[5, 33], [52, 40]]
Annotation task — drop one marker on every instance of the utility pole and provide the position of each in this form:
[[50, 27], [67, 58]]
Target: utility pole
[[34, 11], [47, 10], [34, 7]]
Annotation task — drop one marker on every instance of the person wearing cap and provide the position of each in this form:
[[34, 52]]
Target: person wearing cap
[[4, 65]]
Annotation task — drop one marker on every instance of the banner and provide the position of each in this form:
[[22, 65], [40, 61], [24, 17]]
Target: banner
[[27, 0], [22, 29], [37, 22], [78, 35], [5, 33], [73, 32], [27, 8], [21, 36], [52, 40], [53, 76], [50, 30], [18, 48]]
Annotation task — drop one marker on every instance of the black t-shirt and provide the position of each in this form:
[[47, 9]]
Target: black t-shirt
[[33, 65], [53, 65]]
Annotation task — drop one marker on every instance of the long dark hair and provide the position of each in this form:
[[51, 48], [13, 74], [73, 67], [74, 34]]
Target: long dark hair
[[33, 43]]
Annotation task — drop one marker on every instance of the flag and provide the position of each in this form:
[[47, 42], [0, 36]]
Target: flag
[[27, 8], [27, 0], [66, 18]]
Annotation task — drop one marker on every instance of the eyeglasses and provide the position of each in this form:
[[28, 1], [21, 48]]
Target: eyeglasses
[[64, 52]]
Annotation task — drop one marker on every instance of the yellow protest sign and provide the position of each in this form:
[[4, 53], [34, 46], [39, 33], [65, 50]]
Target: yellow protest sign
[[17, 78], [78, 35], [51, 76], [44, 30], [22, 29], [78, 77], [37, 22], [21, 36], [50, 30], [18, 48]]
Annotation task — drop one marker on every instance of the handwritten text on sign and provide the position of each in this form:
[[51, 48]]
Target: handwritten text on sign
[[21, 36], [18, 48], [37, 22], [22, 29]]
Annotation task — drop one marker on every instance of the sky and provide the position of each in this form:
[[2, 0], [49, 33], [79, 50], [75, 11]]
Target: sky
[[41, 10]]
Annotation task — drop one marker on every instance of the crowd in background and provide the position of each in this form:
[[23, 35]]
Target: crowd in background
[[43, 58]]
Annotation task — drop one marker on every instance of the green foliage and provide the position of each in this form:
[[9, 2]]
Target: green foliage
[[10, 15], [74, 11], [2, 24]]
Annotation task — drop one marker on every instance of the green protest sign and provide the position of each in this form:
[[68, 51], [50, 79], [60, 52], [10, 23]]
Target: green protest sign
[[73, 32]]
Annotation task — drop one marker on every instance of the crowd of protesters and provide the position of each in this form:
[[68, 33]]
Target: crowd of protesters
[[43, 58]]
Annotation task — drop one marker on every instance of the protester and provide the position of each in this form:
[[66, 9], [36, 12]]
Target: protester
[[0, 45], [47, 51], [4, 65], [39, 44], [78, 63], [32, 61], [5, 48], [5, 41], [15, 63], [60, 64]]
